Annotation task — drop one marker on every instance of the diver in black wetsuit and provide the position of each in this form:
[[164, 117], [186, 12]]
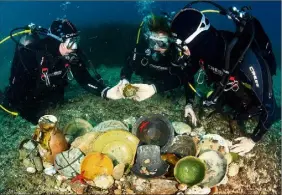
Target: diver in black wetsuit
[[152, 59], [248, 88], [201, 47], [42, 67]]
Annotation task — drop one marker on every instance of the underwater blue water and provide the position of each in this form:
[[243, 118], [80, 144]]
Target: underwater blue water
[[82, 14]]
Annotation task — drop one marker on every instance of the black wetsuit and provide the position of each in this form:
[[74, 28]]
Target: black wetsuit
[[28, 92], [159, 70], [253, 94]]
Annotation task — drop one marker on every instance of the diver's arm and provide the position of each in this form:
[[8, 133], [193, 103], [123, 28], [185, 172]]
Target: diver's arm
[[174, 82], [259, 132], [170, 83], [127, 70], [246, 144], [84, 78], [267, 117]]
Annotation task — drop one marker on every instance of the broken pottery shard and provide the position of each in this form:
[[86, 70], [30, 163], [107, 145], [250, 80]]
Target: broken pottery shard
[[129, 122], [28, 163], [118, 192], [104, 181], [110, 125], [68, 163], [29, 145], [76, 127], [181, 128], [38, 163], [182, 187], [162, 186], [198, 190], [183, 145], [30, 169], [78, 187], [84, 143], [228, 158], [233, 169], [140, 185], [147, 161], [118, 171], [200, 131], [50, 171]]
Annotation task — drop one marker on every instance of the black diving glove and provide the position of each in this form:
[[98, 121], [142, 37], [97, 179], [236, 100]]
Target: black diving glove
[[209, 101], [73, 58]]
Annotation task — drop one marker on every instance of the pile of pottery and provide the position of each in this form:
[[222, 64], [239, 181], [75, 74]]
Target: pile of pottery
[[98, 155], [153, 148], [197, 161]]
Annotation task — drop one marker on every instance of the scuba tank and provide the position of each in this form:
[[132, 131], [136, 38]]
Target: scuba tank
[[249, 34]]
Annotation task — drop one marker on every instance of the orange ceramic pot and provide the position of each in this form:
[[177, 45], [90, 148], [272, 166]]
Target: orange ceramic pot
[[95, 164], [51, 140]]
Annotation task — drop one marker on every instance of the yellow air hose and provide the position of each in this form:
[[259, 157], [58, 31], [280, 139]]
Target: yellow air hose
[[2, 41], [10, 112], [210, 11], [15, 34], [138, 34]]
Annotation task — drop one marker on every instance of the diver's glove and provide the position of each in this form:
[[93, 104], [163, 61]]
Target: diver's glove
[[209, 101], [123, 83], [190, 112], [73, 58], [144, 92], [113, 93], [244, 146]]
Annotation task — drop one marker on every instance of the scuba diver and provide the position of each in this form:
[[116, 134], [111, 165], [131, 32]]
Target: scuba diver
[[238, 65], [152, 59], [44, 61]]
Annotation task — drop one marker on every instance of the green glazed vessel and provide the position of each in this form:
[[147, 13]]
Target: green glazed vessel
[[190, 170]]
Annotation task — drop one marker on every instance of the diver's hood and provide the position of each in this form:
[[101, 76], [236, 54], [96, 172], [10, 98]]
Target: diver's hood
[[53, 47], [46, 45], [207, 45]]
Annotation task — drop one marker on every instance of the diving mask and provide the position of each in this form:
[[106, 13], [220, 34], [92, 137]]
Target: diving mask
[[72, 42], [158, 41]]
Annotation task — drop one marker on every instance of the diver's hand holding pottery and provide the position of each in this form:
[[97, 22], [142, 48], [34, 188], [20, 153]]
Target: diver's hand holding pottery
[[190, 112], [124, 81], [244, 146], [144, 91], [115, 92], [129, 91], [123, 84]]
